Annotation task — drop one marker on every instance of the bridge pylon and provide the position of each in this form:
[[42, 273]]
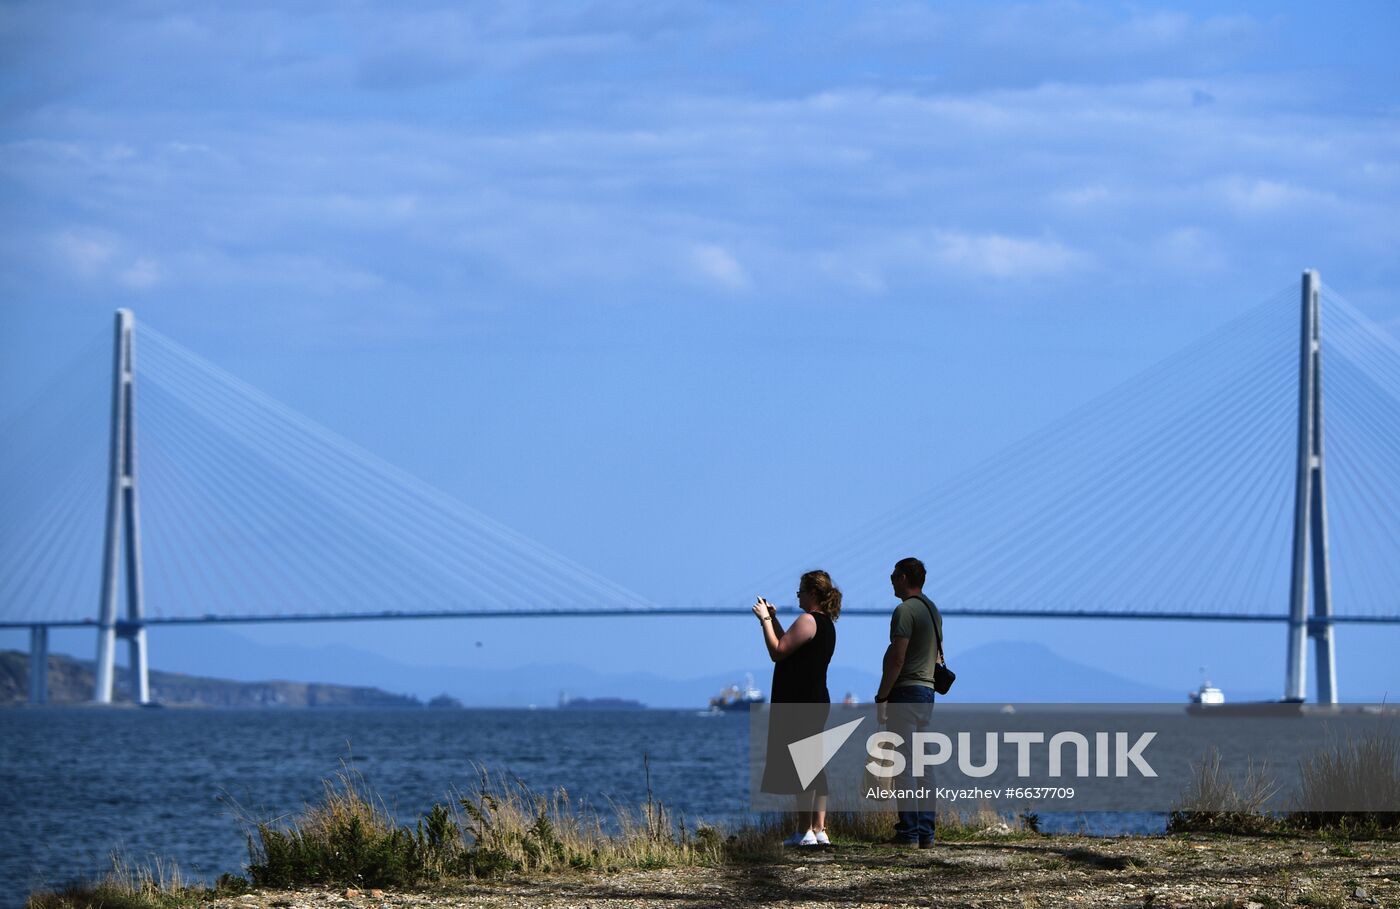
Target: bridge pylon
[[122, 547], [38, 664], [1310, 554]]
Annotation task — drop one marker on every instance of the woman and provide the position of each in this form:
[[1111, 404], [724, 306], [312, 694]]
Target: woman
[[800, 657]]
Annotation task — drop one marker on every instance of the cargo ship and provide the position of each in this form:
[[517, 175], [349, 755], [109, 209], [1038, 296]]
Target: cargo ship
[[736, 698]]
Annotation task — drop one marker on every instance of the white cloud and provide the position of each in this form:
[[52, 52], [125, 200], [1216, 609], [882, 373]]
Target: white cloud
[[886, 260], [100, 258], [855, 190], [1090, 195], [837, 182], [189, 148], [1266, 196], [998, 256], [287, 272], [718, 265], [141, 274], [82, 252], [1190, 247]]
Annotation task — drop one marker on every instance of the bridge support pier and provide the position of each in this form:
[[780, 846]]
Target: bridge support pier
[[1310, 519], [123, 540], [140, 670], [38, 664]]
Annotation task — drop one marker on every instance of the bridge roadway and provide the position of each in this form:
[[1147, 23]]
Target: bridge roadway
[[662, 611]]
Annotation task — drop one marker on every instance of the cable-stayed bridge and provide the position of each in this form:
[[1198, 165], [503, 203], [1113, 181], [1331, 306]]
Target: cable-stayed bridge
[[145, 486]]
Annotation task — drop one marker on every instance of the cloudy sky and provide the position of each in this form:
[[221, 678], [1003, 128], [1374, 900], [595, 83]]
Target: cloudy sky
[[638, 278]]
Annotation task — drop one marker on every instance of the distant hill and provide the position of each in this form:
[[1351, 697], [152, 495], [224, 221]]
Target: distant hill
[[1015, 671], [71, 682], [1008, 671], [1000, 672]]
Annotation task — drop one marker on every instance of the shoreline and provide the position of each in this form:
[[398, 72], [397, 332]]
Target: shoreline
[[1172, 870]]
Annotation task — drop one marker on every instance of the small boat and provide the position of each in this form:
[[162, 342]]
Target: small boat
[[1237, 709], [1207, 695], [735, 698], [1209, 701]]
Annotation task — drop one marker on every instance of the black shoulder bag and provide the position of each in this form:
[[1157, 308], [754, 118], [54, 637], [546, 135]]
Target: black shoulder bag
[[943, 677]]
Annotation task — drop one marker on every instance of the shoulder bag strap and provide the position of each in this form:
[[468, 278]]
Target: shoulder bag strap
[[937, 635]]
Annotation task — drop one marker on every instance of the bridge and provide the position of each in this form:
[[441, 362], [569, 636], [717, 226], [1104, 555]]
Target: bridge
[[1211, 487]]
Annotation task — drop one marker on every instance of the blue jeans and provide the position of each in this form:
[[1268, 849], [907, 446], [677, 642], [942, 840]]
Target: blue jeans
[[910, 711]]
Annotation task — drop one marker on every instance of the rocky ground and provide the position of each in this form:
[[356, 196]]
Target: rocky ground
[[1053, 871]]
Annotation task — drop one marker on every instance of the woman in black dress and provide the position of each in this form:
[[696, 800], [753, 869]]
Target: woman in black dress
[[800, 657]]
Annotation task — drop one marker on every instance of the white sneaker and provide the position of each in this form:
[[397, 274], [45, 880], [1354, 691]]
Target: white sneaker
[[797, 838], [810, 839], [822, 839]]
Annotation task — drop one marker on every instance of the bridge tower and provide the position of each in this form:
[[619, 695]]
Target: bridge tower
[[122, 547], [1310, 519]]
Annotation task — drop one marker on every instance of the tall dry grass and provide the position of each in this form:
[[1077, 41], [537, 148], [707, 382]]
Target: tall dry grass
[[500, 826], [1348, 787], [154, 885], [510, 828], [1351, 784], [350, 838], [1216, 801]]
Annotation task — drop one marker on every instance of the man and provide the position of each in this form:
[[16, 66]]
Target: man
[[916, 633]]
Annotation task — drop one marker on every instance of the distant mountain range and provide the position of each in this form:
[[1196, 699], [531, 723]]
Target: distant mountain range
[[1002, 672]]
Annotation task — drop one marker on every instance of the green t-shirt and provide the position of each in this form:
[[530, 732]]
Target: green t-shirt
[[915, 621]]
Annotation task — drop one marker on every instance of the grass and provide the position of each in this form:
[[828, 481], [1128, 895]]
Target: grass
[[350, 839], [127, 886], [1349, 774], [509, 828], [983, 822], [1216, 802], [501, 827]]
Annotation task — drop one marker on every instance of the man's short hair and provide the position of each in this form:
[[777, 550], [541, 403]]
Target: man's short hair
[[913, 571]]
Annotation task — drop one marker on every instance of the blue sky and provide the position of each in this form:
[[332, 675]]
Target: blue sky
[[685, 290]]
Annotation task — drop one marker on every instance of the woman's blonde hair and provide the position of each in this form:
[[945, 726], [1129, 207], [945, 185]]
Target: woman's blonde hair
[[818, 583]]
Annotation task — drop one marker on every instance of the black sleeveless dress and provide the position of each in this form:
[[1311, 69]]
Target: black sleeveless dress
[[799, 679]]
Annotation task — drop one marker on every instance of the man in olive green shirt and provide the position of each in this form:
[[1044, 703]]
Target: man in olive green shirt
[[916, 635]]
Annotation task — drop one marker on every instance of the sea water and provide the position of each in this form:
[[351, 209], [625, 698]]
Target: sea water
[[181, 786]]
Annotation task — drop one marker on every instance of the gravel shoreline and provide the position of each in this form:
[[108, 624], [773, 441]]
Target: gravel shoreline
[[1152, 872]]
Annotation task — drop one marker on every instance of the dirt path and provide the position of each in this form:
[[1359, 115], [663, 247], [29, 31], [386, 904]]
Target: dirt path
[[1055, 871]]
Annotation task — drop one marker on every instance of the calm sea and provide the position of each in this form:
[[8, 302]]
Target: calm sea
[[77, 784]]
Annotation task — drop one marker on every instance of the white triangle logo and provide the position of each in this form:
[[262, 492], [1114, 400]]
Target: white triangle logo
[[811, 754]]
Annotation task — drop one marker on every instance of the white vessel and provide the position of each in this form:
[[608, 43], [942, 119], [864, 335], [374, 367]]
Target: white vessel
[[1207, 693], [735, 697]]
